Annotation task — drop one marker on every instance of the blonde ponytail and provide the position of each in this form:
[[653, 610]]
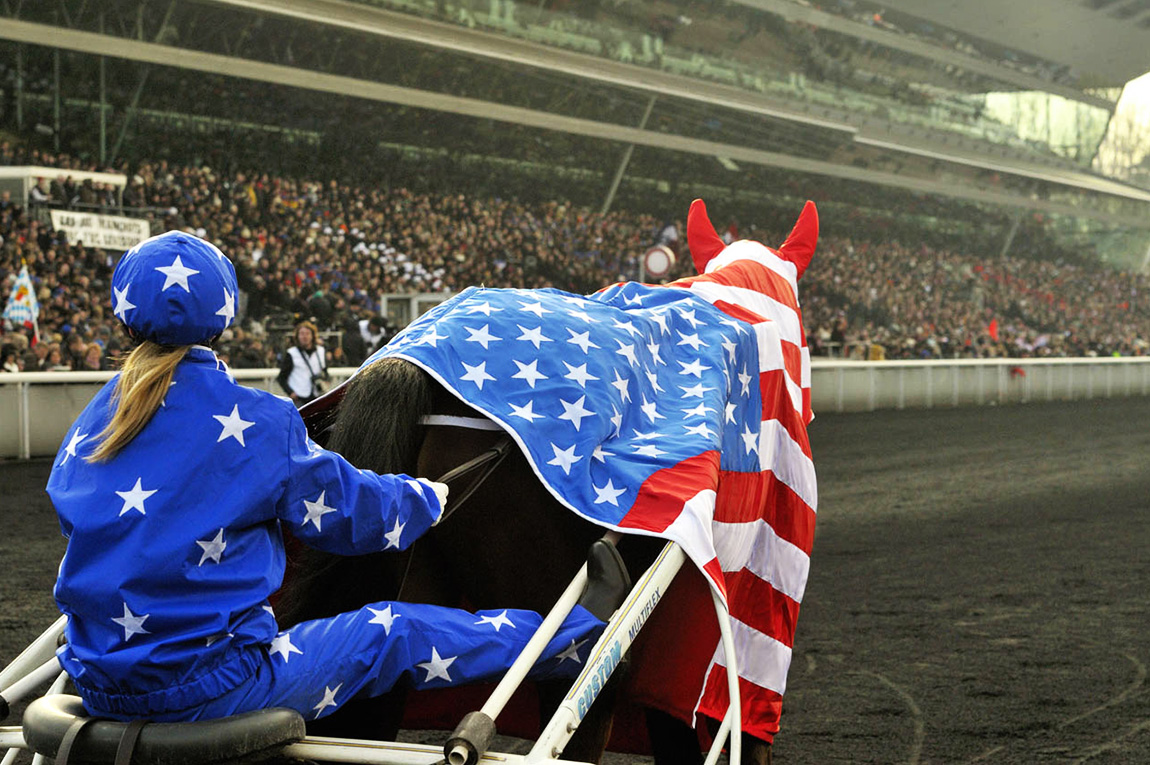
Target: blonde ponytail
[[144, 381]]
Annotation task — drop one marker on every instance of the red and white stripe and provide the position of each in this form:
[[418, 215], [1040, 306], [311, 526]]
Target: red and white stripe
[[764, 523]]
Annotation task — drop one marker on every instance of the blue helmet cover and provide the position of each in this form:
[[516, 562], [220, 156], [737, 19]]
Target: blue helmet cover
[[175, 289]]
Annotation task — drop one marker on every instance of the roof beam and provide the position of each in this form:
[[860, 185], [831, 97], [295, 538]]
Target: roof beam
[[230, 66]]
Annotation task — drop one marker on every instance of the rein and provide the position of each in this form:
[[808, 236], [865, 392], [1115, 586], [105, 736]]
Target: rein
[[485, 462]]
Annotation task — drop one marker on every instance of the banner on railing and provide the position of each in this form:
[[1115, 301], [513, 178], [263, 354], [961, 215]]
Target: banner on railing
[[106, 232]]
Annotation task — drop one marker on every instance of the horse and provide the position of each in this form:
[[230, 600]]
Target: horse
[[510, 541]]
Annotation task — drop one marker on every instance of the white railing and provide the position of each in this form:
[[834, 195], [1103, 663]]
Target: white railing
[[37, 408], [863, 386]]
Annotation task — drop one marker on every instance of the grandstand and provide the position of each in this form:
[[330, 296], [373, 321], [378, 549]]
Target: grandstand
[[906, 125], [773, 86]]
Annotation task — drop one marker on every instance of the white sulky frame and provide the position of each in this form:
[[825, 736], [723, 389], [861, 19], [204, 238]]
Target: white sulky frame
[[37, 665]]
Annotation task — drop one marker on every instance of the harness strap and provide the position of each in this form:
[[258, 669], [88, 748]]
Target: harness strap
[[127, 745], [69, 738], [473, 423], [488, 461]]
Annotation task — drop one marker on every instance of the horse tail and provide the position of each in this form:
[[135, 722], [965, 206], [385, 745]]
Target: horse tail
[[377, 427]]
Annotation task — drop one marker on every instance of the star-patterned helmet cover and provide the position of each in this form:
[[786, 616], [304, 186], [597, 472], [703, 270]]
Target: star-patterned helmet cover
[[175, 289]]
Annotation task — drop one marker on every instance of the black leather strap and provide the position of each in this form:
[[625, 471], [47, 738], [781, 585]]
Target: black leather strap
[[128, 742], [69, 738]]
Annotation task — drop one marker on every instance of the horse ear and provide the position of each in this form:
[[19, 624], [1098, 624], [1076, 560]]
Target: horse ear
[[800, 244], [702, 239]]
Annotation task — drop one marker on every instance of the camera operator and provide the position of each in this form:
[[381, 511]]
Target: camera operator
[[303, 369]]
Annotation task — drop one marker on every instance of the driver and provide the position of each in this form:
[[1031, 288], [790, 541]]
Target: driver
[[172, 488]]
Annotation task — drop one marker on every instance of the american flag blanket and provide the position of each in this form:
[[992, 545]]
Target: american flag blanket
[[678, 411]]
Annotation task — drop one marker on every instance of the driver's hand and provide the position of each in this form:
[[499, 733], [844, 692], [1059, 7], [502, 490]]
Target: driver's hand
[[440, 490]]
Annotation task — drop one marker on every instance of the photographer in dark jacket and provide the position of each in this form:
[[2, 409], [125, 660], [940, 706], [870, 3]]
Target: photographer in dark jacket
[[303, 369]]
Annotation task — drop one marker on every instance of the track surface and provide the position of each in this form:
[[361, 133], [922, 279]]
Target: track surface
[[979, 590]]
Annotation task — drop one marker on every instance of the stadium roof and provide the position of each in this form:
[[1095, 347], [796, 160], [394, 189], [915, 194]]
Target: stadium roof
[[918, 46], [1107, 41]]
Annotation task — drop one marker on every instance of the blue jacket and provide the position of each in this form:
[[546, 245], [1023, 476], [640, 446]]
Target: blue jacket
[[174, 545]]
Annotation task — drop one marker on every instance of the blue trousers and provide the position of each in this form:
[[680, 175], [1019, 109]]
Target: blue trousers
[[317, 666]]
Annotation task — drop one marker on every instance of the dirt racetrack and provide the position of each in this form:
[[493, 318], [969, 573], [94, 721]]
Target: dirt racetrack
[[979, 590]]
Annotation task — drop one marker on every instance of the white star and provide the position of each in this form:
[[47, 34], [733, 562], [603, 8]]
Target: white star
[[729, 414], [386, 617], [579, 374], [607, 493], [393, 536], [691, 340], [730, 347], [176, 273], [628, 326], [738, 325], [476, 374], [745, 380], [213, 548], [483, 308], [649, 450], [132, 624], [123, 305], [528, 372], [565, 458], [571, 652], [640, 436], [660, 318], [481, 336], [653, 347], [282, 645], [134, 498], [574, 411], [654, 380], [627, 351], [436, 666], [328, 699], [750, 440], [695, 368], [497, 621], [234, 425], [600, 453], [581, 315], [535, 336], [228, 310], [581, 339], [535, 308], [621, 385], [70, 449], [526, 411], [699, 430], [699, 411], [694, 390], [648, 408], [636, 300], [690, 317], [316, 510], [431, 338], [616, 419]]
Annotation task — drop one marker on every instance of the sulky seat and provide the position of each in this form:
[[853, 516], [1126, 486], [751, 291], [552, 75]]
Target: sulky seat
[[58, 727]]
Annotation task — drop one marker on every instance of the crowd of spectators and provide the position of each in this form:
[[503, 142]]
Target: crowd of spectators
[[327, 250]]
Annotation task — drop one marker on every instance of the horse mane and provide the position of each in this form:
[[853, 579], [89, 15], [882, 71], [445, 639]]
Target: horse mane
[[377, 427]]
